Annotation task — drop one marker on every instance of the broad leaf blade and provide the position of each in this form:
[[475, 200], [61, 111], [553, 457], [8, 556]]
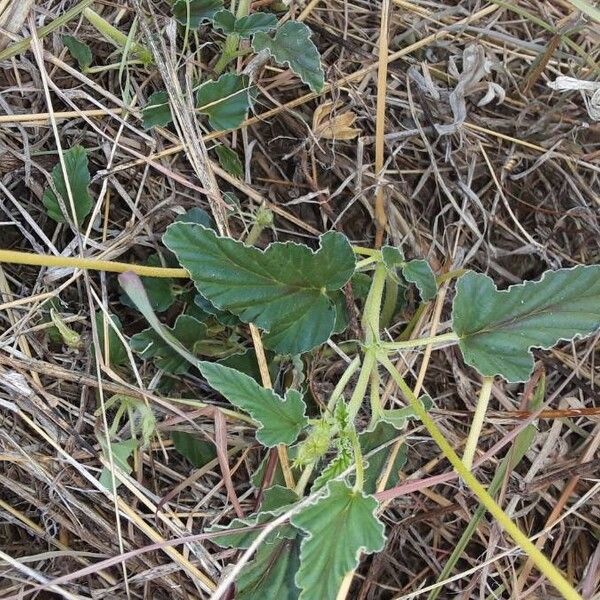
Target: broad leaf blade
[[339, 526], [111, 347], [497, 329], [121, 453], [281, 421], [292, 46], [195, 12], [157, 112], [283, 290], [76, 163], [79, 51], [244, 26], [226, 101]]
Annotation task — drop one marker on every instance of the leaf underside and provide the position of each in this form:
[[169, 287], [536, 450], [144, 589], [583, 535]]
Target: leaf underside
[[283, 290], [498, 329]]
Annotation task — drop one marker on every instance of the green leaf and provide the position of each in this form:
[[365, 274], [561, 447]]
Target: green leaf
[[76, 163], [159, 289], [246, 26], [79, 51], [222, 316], [149, 344], [293, 47], [117, 352], [157, 112], [230, 161], [121, 453], [284, 289], [248, 363], [195, 12], [280, 420], [335, 468], [370, 441], [198, 452], [226, 101], [196, 215], [277, 500], [271, 573], [398, 417], [414, 271], [419, 272], [498, 329], [339, 526]]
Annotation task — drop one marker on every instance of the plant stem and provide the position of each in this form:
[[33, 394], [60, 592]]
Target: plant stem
[[390, 300], [540, 561], [42, 32], [478, 418], [232, 41], [358, 462], [436, 339], [92, 264], [373, 306]]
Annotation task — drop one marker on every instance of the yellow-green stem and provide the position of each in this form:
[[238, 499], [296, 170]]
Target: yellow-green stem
[[540, 561], [92, 264], [477, 424], [426, 341]]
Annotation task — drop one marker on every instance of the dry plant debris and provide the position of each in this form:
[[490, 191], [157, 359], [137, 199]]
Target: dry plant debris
[[482, 148]]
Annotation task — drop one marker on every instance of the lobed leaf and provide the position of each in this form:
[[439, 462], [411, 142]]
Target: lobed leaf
[[293, 47], [280, 420], [339, 527], [284, 289], [78, 175], [246, 26], [195, 12], [226, 101], [498, 329]]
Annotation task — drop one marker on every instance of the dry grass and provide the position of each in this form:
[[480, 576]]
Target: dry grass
[[509, 188]]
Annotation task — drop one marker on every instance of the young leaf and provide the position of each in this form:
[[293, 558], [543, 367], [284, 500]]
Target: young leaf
[[121, 453], [246, 26], [498, 329], [79, 51], [414, 271], [195, 12], [339, 526], [117, 353], [283, 289], [197, 451], [226, 101], [157, 112], [280, 420], [76, 163], [149, 344], [334, 469], [230, 161], [292, 46]]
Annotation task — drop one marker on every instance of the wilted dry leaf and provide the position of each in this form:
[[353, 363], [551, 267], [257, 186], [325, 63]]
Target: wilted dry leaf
[[336, 127]]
